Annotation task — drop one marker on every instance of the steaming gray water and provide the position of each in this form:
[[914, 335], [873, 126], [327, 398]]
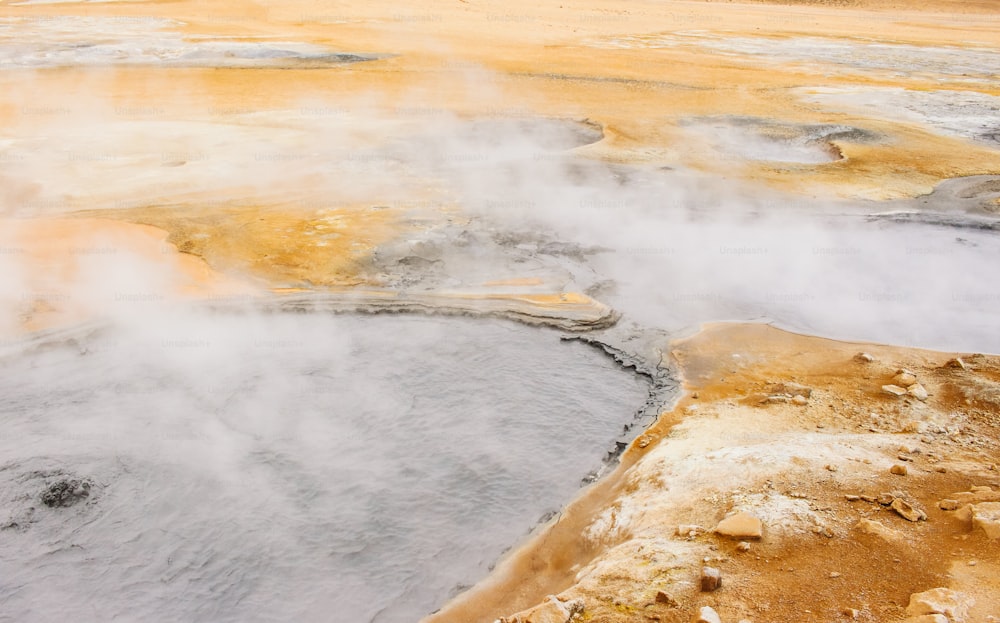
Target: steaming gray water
[[305, 468]]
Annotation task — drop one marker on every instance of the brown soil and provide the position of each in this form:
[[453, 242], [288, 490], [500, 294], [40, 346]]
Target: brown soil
[[842, 443]]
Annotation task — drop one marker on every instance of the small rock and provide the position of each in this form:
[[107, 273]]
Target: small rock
[[894, 390], [863, 358], [851, 612], [948, 505], [711, 579], [918, 392], [743, 546], [852, 498], [874, 528], [792, 390], [951, 604], [800, 400], [831, 468], [686, 530], [666, 598], [706, 615], [898, 469], [834, 574], [906, 510], [955, 363], [885, 499], [904, 378], [741, 525], [870, 498], [986, 515], [964, 513], [928, 618]]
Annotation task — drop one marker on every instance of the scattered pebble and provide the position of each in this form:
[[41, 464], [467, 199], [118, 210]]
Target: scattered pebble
[[743, 546], [689, 530], [863, 358], [948, 505], [741, 525], [943, 601], [904, 378], [711, 579], [834, 574], [666, 598], [706, 615], [894, 390], [906, 510], [918, 391], [955, 363], [831, 468], [899, 470]]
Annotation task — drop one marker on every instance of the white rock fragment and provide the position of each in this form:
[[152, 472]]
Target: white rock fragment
[[906, 510], [874, 528], [904, 378], [706, 615], [918, 391], [952, 604], [894, 390], [741, 525], [986, 515]]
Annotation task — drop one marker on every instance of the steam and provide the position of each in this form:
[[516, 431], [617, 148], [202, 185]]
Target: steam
[[248, 431]]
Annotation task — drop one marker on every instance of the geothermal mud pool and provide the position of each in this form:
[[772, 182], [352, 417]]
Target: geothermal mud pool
[[189, 193], [289, 467]]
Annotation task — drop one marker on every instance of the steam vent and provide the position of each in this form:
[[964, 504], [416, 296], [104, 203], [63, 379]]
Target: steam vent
[[462, 311]]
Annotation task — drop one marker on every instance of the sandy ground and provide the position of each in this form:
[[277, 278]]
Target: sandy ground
[[811, 472]]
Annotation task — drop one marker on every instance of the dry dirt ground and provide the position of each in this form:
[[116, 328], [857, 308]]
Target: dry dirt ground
[[818, 475]]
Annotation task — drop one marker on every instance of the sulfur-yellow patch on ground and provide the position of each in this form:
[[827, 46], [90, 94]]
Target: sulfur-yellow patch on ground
[[284, 246]]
